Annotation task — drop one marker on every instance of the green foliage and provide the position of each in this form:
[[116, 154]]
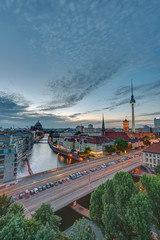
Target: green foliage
[[31, 227], [4, 204], [138, 210], [87, 150], [45, 214], [152, 187], [16, 208], [110, 149], [157, 169], [45, 233], [118, 209], [82, 230], [121, 145], [13, 229], [96, 207]]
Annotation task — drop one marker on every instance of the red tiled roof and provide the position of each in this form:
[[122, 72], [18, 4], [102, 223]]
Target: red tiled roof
[[98, 139], [115, 135], [154, 148]]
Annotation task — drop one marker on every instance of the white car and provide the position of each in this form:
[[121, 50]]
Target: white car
[[36, 190]]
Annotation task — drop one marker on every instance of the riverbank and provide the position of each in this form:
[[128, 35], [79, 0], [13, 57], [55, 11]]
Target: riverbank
[[66, 153]]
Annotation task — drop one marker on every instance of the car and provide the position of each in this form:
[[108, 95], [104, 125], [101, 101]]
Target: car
[[26, 193], [36, 190], [87, 171], [39, 189], [32, 192], [64, 180], [48, 185], [21, 196], [67, 178], [51, 184], [55, 183], [60, 181], [43, 187]]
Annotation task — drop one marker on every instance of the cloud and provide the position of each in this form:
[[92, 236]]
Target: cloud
[[74, 87]]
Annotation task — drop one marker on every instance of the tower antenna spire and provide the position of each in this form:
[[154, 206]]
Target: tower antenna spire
[[131, 87]]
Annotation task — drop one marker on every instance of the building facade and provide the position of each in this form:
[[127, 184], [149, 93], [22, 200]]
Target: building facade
[[8, 163], [151, 155]]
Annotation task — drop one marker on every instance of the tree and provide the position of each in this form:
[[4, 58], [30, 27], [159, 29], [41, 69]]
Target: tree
[[157, 169], [96, 207], [46, 233], [110, 148], [82, 230], [13, 230], [16, 208], [87, 150], [4, 204], [45, 214], [116, 216], [152, 187], [31, 227], [139, 210], [121, 144]]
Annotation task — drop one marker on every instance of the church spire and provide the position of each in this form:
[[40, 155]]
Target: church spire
[[103, 126]]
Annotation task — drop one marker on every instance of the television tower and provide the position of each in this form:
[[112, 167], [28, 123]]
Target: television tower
[[132, 102]]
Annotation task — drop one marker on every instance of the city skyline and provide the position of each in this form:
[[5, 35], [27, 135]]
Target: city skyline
[[66, 63]]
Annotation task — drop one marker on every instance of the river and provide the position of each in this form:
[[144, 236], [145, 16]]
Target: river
[[42, 158]]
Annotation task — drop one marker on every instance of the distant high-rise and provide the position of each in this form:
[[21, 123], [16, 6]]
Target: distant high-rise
[[132, 102], [103, 126], [125, 125], [157, 122]]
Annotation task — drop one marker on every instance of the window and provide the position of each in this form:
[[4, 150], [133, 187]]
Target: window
[[15, 174], [150, 155], [1, 176], [1, 172], [146, 159], [2, 157], [1, 166], [15, 169], [146, 154], [154, 160], [158, 156], [158, 162], [151, 160], [153, 155], [1, 151], [2, 161]]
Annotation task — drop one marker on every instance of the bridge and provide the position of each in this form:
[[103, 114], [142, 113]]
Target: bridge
[[72, 190]]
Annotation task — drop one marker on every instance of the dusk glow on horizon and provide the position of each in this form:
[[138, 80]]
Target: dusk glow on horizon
[[67, 62]]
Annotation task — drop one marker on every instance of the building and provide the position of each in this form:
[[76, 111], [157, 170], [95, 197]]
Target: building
[[8, 163], [157, 122], [38, 129], [132, 102], [125, 125], [151, 155], [140, 134]]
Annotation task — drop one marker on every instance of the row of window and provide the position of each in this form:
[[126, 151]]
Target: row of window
[[154, 155], [153, 161]]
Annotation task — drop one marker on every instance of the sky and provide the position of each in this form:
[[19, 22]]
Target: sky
[[67, 62]]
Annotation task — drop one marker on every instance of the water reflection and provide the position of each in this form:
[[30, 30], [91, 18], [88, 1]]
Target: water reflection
[[43, 158]]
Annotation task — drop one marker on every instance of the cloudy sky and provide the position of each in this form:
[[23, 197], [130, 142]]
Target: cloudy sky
[[67, 62]]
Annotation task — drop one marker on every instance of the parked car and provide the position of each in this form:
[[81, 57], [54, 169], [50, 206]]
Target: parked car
[[32, 192], [48, 185], [51, 184], [36, 190], [43, 187], [26, 193], [39, 189], [60, 181], [12, 199], [55, 183], [20, 195]]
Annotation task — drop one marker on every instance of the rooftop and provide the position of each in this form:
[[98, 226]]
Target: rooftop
[[154, 148]]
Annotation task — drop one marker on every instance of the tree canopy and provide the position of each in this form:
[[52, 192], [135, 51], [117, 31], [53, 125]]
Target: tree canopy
[[121, 145], [120, 210], [82, 230]]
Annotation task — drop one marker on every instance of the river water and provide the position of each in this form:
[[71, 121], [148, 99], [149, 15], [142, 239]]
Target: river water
[[42, 158]]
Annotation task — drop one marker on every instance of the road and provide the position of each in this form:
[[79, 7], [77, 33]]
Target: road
[[64, 194]]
